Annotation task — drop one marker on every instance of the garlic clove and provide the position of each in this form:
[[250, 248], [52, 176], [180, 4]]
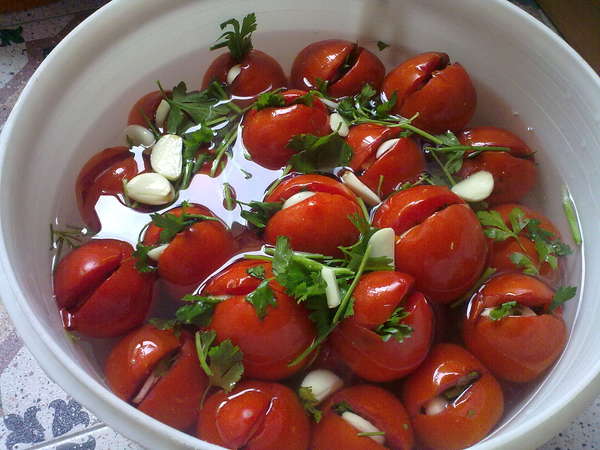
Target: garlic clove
[[332, 291], [322, 383], [161, 113], [363, 426], [518, 311], [360, 189], [383, 243], [435, 406], [167, 156], [139, 135], [155, 253], [385, 147], [297, 198], [329, 103], [150, 189], [476, 187], [338, 124], [233, 73]]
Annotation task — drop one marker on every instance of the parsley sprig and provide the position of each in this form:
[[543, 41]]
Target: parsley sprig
[[70, 236], [259, 212], [239, 39], [319, 153], [310, 403], [393, 328], [504, 310], [562, 294]]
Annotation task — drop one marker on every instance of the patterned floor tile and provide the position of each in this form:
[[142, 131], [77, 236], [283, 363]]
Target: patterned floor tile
[[55, 9], [102, 438]]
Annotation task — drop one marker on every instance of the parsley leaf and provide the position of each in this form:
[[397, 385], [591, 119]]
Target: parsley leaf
[[502, 311], [562, 294], [260, 212], [321, 85], [143, 264], [382, 45], [199, 311], [257, 272], [355, 252], [494, 226], [319, 153], [385, 108], [172, 224], [309, 402], [271, 99], [342, 407], [393, 328], [524, 262], [260, 298], [239, 39], [222, 363], [370, 433], [163, 324]]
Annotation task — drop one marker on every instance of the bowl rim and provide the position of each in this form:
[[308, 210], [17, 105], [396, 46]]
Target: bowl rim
[[135, 424]]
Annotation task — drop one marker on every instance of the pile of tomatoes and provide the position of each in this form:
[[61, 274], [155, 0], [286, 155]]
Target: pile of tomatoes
[[421, 357]]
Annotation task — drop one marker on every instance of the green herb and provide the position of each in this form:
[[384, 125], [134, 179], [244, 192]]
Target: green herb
[[342, 407], [309, 402], [229, 197], [385, 108], [382, 45], [172, 224], [71, 236], [247, 175], [191, 162], [371, 433], [471, 413], [238, 40], [494, 226], [222, 363], [316, 153], [571, 214], [354, 253], [260, 298], [72, 336], [143, 263], [392, 328], [163, 324], [307, 99], [199, 312], [524, 262], [271, 99], [260, 212], [321, 86], [257, 272], [11, 36], [562, 294], [504, 310]]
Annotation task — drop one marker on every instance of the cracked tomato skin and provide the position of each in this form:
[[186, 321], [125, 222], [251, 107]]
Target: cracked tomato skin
[[195, 252], [374, 404], [175, 397], [377, 295], [500, 251], [324, 60], [514, 172], [102, 174], [515, 348], [268, 344], [259, 73], [462, 423], [266, 132], [100, 291], [256, 415], [318, 224], [441, 93], [439, 240]]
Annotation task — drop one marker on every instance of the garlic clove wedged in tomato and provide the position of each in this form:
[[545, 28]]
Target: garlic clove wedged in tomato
[[150, 189], [155, 253], [476, 187], [139, 135], [385, 147], [162, 112], [297, 198], [167, 156], [322, 383], [332, 291], [360, 189], [233, 73], [382, 244], [362, 425], [338, 124]]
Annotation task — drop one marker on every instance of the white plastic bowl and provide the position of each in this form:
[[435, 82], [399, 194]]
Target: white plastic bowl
[[528, 80]]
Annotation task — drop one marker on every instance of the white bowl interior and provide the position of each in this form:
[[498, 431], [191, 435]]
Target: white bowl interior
[[527, 80]]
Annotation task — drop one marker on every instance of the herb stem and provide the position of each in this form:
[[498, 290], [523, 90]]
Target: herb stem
[[422, 133], [570, 213], [257, 257], [363, 207], [444, 169], [278, 181], [452, 148], [227, 140]]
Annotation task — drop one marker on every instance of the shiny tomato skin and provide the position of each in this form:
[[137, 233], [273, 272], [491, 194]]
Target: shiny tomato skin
[[266, 132], [374, 404], [365, 139], [516, 348], [195, 252], [442, 94], [435, 224], [132, 359], [102, 174], [315, 183], [145, 106], [402, 163], [235, 279], [256, 415], [500, 251], [319, 224], [259, 73], [118, 305], [367, 69], [175, 398], [470, 418], [364, 351], [495, 137]]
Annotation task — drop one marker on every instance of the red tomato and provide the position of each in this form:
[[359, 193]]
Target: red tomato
[[319, 223], [145, 109], [195, 252], [269, 344], [439, 240], [377, 295], [175, 392], [500, 251], [515, 172], [101, 292], [457, 422], [441, 93], [516, 348], [102, 174], [401, 163], [259, 73], [266, 133], [255, 416], [372, 403], [345, 66]]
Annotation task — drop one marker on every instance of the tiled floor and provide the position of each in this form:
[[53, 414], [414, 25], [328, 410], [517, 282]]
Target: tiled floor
[[36, 412]]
